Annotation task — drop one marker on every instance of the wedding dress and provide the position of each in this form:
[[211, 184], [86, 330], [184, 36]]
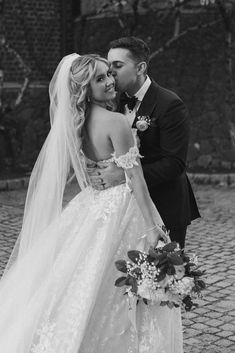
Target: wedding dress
[[72, 305]]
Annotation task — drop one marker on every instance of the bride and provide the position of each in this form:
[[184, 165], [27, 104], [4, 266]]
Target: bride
[[57, 294]]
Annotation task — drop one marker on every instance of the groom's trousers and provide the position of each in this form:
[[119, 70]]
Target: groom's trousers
[[178, 235]]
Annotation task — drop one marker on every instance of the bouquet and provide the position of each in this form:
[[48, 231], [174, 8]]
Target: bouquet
[[165, 275]]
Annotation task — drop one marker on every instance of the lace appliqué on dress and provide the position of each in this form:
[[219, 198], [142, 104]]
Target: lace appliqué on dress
[[46, 334], [105, 202], [128, 160]]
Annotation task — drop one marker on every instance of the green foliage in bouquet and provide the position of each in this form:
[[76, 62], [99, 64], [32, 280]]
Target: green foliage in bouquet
[[165, 274]]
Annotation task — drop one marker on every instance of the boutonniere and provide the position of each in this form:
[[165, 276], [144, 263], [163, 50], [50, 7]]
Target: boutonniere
[[143, 122]]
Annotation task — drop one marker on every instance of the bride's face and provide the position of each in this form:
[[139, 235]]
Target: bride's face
[[102, 85]]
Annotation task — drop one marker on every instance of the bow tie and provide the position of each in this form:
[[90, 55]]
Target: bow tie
[[130, 101]]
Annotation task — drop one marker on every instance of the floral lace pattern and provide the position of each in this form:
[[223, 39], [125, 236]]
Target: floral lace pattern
[[106, 201], [128, 160], [76, 302], [46, 334]]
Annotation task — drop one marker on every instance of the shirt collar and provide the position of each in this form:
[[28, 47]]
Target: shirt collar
[[143, 89]]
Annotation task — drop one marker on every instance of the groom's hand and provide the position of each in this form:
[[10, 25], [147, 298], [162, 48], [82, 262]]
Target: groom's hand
[[106, 177]]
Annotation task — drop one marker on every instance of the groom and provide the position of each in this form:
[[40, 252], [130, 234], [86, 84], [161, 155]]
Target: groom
[[162, 125]]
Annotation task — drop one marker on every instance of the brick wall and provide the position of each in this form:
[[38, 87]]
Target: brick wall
[[33, 28]]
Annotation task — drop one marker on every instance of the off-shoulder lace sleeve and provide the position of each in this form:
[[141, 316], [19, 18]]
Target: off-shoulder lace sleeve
[[128, 160]]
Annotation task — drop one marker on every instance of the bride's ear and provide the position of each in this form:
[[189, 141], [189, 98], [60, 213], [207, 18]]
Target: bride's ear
[[89, 94], [142, 68]]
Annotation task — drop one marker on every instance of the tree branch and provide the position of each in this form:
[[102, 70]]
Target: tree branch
[[182, 34], [26, 69], [5, 45], [177, 23], [21, 92]]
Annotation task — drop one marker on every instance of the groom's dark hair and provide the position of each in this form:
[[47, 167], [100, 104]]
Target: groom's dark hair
[[137, 47]]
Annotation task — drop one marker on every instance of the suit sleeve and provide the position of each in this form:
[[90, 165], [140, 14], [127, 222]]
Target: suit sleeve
[[174, 138]]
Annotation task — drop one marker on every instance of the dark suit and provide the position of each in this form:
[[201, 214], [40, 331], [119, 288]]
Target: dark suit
[[164, 147]]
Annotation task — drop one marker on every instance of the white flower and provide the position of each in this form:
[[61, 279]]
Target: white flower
[[188, 284], [142, 125], [194, 259], [179, 271], [143, 122], [183, 287], [165, 282], [160, 244], [145, 289], [129, 292]]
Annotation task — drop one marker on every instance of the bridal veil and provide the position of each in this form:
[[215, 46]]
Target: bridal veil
[[59, 156]]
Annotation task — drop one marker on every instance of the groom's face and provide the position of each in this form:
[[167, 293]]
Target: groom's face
[[124, 69]]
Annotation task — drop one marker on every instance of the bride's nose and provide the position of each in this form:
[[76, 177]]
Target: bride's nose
[[110, 80]]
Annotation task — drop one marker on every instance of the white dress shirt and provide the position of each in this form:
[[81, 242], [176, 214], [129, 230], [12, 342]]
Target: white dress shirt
[[130, 114]]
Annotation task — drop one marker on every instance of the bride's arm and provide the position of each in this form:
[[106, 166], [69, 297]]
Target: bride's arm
[[126, 156]]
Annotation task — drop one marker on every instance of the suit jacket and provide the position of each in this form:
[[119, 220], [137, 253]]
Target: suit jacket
[[164, 148]]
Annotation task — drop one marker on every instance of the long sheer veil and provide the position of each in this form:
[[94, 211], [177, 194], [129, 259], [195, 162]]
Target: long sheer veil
[[59, 155]]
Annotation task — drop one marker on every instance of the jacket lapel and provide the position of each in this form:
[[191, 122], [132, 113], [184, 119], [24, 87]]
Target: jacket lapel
[[148, 103]]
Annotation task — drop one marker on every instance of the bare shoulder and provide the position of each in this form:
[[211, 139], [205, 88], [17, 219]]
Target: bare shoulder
[[108, 115], [117, 120], [110, 122]]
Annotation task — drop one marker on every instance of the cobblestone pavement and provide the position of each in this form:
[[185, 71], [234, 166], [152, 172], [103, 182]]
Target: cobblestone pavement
[[210, 328]]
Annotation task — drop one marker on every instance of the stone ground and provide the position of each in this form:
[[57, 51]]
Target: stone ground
[[210, 328]]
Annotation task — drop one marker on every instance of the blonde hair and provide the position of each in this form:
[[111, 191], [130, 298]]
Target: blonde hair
[[83, 70]]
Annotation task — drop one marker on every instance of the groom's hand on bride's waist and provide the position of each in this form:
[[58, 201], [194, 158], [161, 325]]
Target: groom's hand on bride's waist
[[106, 176]]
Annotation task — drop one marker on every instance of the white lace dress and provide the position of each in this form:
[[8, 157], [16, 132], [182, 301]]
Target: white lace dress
[[73, 305]]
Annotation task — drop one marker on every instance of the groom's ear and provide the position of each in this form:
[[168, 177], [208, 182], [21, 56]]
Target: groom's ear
[[142, 68]]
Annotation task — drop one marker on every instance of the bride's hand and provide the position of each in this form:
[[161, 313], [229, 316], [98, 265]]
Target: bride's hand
[[154, 235]]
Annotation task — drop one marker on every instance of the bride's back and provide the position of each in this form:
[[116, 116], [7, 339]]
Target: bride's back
[[97, 144]]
